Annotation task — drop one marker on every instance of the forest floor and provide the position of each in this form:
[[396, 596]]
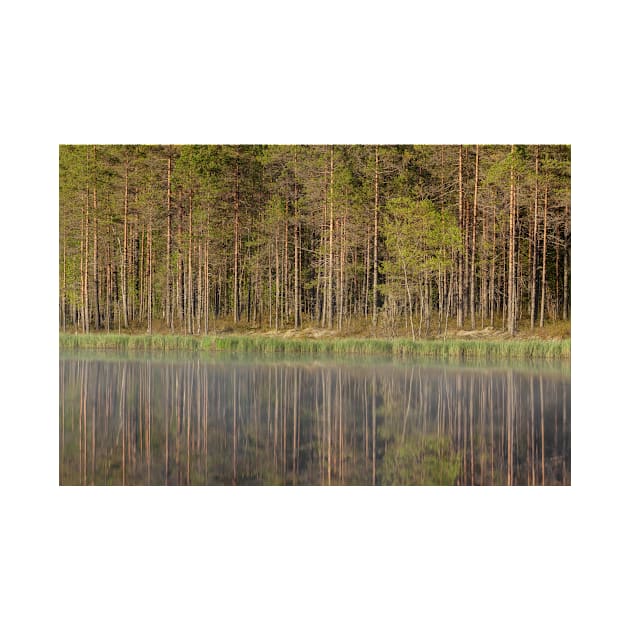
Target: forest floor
[[557, 331], [359, 329]]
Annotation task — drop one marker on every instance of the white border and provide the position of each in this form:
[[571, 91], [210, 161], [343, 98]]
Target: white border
[[327, 72]]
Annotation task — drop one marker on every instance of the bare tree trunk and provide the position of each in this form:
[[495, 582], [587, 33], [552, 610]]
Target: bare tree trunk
[[285, 284], [493, 267], [63, 283], [189, 315], [125, 311], [342, 255], [511, 316], [544, 259], [236, 236], [200, 301], [180, 287], [108, 285], [375, 248], [413, 334], [460, 268], [296, 247], [557, 274], [149, 274], [97, 307], [207, 287], [324, 250], [277, 304], [474, 242], [330, 240], [368, 269], [532, 297], [565, 279], [169, 313], [86, 303]]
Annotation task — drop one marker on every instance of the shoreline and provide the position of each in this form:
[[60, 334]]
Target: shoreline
[[267, 343]]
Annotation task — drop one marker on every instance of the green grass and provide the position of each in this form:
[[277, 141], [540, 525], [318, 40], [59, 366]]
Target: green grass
[[449, 348]]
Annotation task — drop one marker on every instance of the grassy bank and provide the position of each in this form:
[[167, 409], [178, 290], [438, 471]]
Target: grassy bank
[[480, 348]]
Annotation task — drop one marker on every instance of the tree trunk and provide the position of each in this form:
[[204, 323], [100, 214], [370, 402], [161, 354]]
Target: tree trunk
[[277, 305], [149, 274], [565, 280], [206, 277], [342, 254], [296, 247], [86, 303], [169, 314], [236, 236], [97, 308], [125, 311], [460, 268], [375, 248], [493, 267], [189, 316], [330, 240], [511, 316], [544, 260], [534, 237], [474, 243]]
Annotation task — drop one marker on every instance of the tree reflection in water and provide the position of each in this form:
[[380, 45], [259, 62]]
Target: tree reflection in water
[[222, 420]]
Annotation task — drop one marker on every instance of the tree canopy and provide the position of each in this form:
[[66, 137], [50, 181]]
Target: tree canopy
[[394, 238]]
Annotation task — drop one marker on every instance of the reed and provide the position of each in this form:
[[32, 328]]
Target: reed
[[399, 347]]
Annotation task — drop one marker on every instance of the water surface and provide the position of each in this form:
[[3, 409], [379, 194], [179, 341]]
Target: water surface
[[183, 419]]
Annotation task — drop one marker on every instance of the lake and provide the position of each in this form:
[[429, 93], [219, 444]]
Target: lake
[[220, 419]]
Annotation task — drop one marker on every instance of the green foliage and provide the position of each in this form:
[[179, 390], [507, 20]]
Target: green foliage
[[418, 236], [245, 208]]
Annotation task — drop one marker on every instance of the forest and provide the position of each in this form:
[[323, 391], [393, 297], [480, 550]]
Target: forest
[[380, 240]]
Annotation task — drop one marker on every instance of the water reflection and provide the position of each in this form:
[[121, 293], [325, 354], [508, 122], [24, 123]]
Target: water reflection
[[229, 421]]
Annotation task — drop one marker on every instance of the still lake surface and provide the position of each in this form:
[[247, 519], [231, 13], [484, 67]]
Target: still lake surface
[[193, 419]]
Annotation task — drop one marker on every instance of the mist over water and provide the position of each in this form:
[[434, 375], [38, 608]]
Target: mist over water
[[223, 419]]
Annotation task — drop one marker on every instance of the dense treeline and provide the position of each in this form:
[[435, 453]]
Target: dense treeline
[[403, 239]]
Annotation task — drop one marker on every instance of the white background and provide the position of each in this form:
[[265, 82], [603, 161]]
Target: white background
[[296, 72]]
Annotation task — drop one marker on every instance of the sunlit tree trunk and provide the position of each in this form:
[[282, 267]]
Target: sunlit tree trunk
[[491, 292], [63, 281], [125, 311], [565, 281], [375, 247], [460, 267], [85, 255], [189, 314], [330, 240], [167, 288], [97, 307], [285, 284], [474, 242], [235, 305], [200, 296], [296, 248], [511, 283], [544, 259], [277, 304], [149, 273], [534, 238]]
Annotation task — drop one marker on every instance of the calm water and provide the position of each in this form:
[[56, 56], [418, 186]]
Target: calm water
[[178, 420]]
